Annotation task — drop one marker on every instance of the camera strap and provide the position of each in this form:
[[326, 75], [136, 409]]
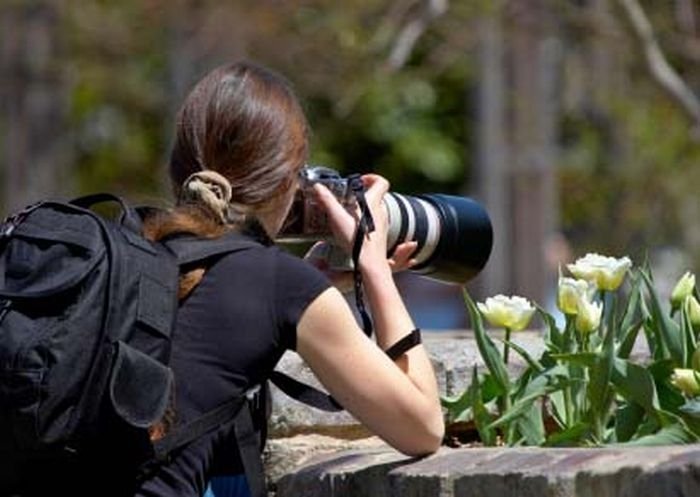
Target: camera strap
[[365, 226]]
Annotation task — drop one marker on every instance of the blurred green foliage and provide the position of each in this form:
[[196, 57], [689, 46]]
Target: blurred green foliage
[[627, 162]]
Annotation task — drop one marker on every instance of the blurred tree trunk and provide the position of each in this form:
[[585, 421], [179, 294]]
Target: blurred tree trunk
[[535, 66], [492, 154], [33, 100], [201, 35], [519, 70]]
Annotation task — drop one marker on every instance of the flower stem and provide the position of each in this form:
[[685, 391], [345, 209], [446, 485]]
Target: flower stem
[[568, 407], [506, 346]]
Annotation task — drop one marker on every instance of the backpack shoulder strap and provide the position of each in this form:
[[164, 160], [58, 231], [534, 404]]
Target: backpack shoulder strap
[[189, 249], [304, 393], [238, 409]]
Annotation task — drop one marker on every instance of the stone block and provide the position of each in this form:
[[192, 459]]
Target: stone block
[[502, 472]]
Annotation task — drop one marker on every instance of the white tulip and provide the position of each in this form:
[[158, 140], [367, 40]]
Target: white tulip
[[606, 272], [513, 313]]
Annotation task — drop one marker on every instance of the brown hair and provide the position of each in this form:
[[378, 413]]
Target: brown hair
[[244, 122]]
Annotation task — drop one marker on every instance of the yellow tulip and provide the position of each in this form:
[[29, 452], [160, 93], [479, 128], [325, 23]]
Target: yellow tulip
[[607, 273], [513, 313]]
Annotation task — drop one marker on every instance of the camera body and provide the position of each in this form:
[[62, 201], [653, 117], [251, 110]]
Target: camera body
[[454, 234], [307, 220]]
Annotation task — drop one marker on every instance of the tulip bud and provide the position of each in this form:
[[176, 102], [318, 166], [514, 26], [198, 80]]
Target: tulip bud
[[588, 316], [693, 308], [569, 292], [683, 289], [686, 381], [695, 359]]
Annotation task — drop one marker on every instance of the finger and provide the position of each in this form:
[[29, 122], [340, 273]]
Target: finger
[[341, 222], [330, 203], [375, 186], [402, 259]]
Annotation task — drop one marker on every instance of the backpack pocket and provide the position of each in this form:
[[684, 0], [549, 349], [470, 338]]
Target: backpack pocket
[[39, 263], [140, 387], [21, 389], [44, 265]]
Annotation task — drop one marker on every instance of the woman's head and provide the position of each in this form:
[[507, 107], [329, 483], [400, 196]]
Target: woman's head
[[243, 122]]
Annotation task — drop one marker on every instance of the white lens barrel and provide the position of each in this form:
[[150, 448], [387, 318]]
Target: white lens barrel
[[412, 219]]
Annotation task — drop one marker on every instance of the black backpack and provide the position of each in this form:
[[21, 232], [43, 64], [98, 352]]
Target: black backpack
[[87, 307]]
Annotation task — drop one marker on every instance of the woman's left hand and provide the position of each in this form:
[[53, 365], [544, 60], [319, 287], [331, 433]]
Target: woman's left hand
[[342, 279]]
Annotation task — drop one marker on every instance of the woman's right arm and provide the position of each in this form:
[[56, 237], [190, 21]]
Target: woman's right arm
[[398, 401]]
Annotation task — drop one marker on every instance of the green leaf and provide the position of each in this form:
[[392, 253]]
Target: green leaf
[[598, 390], [628, 419], [558, 407], [457, 407], [489, 388], [482, 418], [670, 399], [630, 318], [553, 335], [539, 387], [636, 384], [668, 330], [489, 353], [631, 321], [673, 434], [533, 363], [629, 337], [531, 425], [585, 359], [653, 339], [571, 436], [688, 334]]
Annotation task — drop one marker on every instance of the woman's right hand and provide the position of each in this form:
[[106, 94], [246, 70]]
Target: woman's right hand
[[344, 226]]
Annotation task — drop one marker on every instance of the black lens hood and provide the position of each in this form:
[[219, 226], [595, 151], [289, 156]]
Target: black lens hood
[[466, 239]]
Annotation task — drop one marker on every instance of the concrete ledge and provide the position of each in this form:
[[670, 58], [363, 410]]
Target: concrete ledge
[[453, 355], [672, 471]]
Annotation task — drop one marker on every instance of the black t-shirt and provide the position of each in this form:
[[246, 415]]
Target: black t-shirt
[[231, 332]]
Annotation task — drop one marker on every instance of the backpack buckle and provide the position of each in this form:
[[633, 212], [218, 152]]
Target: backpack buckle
[[11, 222], [253, 395], [7, 227]]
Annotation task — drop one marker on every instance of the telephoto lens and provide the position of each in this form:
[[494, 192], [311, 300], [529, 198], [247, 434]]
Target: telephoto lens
[[453, 234]]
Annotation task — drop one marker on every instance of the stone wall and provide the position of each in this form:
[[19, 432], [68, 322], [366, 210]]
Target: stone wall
[[311, 453]]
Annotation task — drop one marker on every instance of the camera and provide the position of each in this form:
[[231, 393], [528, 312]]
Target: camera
[[454, 234]]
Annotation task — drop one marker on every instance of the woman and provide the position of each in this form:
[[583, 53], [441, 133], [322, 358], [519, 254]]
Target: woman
[[241, 141]]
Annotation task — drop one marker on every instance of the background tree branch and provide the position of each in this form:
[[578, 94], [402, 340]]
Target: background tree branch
[[410, 33], [662, 72]]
